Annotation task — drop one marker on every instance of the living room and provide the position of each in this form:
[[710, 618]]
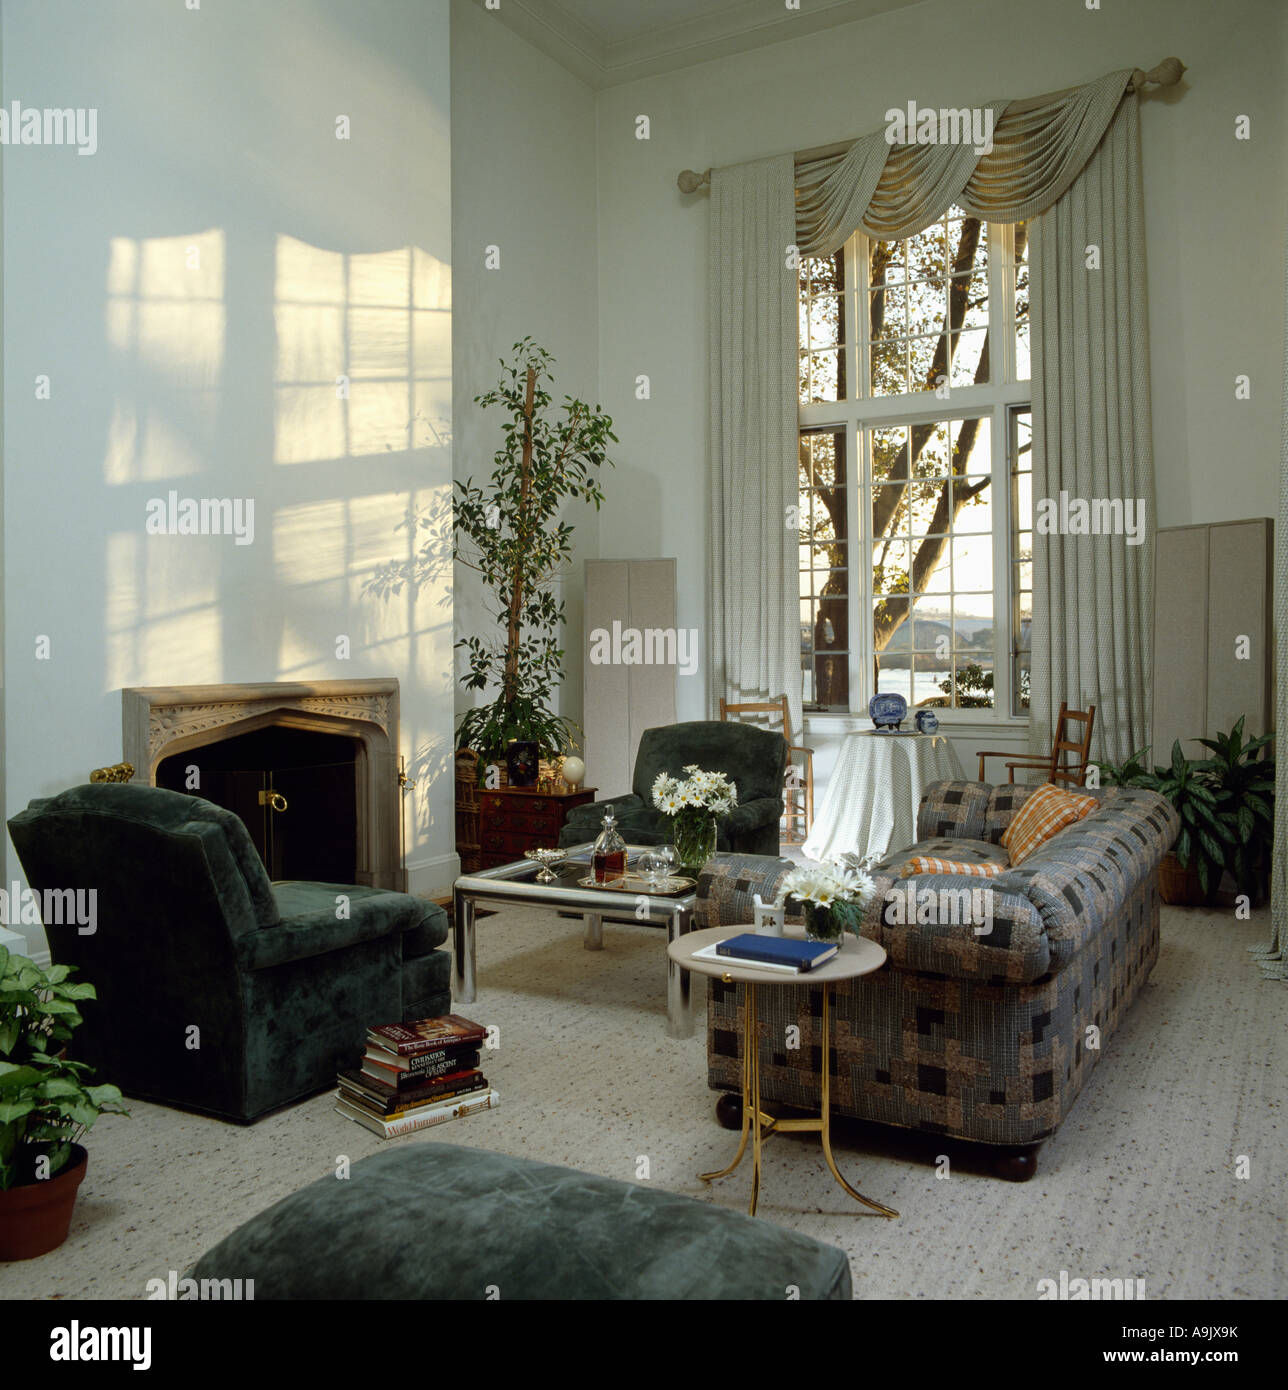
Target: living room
[[416, 187]]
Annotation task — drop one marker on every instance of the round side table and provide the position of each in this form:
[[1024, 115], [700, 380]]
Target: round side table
[[858, 956]]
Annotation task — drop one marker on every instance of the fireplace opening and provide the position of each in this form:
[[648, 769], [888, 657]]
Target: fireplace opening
[[295, 790]]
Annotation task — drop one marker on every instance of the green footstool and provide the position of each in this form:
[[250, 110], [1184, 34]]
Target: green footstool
[[428, 1220]]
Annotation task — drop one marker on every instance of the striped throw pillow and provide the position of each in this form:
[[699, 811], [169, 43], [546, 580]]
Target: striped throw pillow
[[1044, 814], [926, 864]]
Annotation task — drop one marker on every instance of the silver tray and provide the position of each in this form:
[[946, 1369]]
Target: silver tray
[[637, 883]]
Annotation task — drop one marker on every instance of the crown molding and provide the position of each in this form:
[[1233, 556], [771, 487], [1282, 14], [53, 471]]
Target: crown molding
[[738, 28]]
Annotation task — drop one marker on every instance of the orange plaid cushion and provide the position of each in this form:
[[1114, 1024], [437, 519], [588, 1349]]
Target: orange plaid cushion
[[1044, 814], [925, 864]]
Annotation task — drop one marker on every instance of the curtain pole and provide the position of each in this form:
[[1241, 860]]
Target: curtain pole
[[1165, 74]]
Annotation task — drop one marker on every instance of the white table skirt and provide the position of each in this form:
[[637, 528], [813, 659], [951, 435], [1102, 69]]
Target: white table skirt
[[872, 796]]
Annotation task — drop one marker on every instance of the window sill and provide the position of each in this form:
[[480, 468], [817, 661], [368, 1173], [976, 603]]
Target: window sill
[[835, 722]]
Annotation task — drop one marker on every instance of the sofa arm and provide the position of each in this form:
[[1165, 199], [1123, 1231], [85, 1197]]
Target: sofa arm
[[729, 883], [309, 925], [958, 926]]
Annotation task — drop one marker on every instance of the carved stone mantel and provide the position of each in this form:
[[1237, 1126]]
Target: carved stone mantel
[[161, 721]]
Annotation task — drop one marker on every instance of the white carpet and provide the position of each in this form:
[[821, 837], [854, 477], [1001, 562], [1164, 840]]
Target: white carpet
[[1139, 1183]]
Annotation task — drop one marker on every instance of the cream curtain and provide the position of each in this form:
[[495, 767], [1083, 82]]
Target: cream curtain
[[1092, 594], [753, 624], [892, 191], [1273, 957], [1069, 166]]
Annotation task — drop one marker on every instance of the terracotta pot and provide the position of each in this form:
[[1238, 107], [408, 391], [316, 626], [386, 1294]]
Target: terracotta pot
[[35, 1217], [1180, 887]]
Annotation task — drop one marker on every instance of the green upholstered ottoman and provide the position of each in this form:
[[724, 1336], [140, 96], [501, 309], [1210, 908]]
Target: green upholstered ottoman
[[428, 1220]]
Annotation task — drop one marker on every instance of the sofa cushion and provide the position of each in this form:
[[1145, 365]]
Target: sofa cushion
[[434, 1221], [953, 809], [1043, 815]]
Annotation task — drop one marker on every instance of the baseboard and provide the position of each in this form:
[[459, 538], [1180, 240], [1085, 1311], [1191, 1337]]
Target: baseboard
[[433, 877]]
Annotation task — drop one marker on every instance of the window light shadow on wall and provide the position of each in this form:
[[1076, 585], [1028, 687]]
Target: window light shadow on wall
[[363, 349], [166, 321]]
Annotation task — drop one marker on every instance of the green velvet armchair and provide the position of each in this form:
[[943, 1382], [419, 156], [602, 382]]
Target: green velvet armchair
[[219, 991], [753, 759]]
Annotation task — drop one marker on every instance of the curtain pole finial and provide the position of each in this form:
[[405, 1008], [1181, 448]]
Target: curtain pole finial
[[689, 182]]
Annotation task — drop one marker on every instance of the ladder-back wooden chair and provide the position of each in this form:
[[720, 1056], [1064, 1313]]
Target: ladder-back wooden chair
[[798, 788], [1056, 767]]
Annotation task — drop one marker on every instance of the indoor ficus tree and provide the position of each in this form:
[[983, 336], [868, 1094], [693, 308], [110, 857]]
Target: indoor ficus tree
[[509, 530]]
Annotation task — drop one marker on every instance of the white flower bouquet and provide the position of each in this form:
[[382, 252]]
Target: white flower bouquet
[[831, 895], [693, 804]]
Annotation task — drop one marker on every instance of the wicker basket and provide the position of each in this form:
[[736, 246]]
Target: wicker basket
[[1180, 887]]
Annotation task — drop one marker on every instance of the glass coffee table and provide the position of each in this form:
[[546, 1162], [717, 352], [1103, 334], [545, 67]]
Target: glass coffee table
[[517, 883]]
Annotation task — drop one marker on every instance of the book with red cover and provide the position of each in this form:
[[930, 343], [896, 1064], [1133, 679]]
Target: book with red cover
[[412, 1071], [427, 1035], [386, 1100]]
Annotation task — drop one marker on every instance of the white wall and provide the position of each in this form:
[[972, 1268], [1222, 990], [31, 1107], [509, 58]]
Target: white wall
[[523, 180], [192, 290], [1213, 206]]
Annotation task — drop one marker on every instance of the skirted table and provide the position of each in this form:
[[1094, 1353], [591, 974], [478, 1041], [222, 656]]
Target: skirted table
[[872, 796]]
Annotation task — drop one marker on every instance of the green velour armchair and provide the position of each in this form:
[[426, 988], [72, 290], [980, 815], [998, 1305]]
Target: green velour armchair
[[219, 991], [753, 759]]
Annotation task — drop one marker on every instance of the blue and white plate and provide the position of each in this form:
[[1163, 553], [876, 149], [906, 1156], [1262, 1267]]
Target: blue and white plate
[[887, 711]]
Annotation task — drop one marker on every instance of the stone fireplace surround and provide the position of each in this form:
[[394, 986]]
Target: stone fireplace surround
[[160, 721]]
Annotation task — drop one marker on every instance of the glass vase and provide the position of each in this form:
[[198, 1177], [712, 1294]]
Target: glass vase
[[822, 923], [695, 840]]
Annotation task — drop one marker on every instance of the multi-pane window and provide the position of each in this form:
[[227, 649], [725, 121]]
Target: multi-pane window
[[824, 561], [931, 331], [1021, 557]]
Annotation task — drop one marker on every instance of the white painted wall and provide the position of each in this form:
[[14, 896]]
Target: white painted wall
[[192, 290], [1213, 207], [523, 180]]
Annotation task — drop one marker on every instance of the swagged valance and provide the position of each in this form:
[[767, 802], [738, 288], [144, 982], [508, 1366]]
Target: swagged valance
[[891, 190]]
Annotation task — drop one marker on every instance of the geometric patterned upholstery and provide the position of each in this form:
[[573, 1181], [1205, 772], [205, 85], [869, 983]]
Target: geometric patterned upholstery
[[978, 1037]]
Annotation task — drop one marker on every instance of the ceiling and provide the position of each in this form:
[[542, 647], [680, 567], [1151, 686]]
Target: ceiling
[[607, 42]]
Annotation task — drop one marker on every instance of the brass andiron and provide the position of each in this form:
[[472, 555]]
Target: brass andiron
[[118, 772]]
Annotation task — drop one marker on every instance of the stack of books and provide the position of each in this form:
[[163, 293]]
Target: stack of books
[[415, 1075], [787, 954]]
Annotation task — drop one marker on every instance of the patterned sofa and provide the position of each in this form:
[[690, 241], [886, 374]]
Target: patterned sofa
[[985, 1037]]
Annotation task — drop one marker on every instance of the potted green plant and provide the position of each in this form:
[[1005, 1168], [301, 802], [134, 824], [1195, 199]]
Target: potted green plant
[[1191, 872], [1133, 771], [1244, 784], [511, 532], [46, 1105]]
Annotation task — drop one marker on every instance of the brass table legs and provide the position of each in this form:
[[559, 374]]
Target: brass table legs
[[759, 1125]]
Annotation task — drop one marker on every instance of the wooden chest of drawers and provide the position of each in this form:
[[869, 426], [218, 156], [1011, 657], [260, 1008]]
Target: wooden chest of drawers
[[514, 819]]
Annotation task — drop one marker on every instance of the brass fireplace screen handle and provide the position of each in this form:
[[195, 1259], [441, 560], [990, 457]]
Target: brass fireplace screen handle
[[274, 799], [118, 772]]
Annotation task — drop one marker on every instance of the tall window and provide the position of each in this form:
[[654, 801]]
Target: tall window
[[914, 497]]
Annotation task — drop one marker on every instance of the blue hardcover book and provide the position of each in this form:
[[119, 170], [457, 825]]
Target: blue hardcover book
[[777, 950]]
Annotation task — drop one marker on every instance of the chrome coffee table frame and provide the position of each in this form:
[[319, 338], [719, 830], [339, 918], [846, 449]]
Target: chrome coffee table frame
[[513, 884]]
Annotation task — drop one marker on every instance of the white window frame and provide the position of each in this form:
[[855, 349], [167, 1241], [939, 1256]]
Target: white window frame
[[861, 413]]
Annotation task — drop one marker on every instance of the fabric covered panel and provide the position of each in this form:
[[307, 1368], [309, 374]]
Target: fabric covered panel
[[999, 1064], [953, 809], [436, 1222]]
